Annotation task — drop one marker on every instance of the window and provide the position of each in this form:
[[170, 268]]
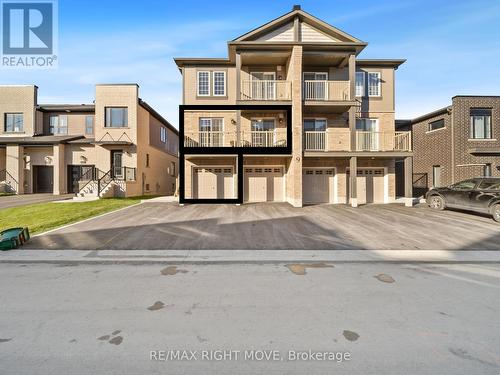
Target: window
[[262, 124], [163, 134], [172, 168], [373, 84], [360, 83], [464, 185], [219, 83], [116, 117], [487, 170], [89, 124], [436, 175], [435, 125], [489, 185], [147, 160], [367, 124], [58, 124], [480, 123], [315, 125], [203, 83], [14, 122]]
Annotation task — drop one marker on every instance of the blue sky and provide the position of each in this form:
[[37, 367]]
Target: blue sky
[[452, 47]]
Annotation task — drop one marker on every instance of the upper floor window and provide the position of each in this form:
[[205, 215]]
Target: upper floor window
[[89, 124], [211, 134], [317, 125], [14, 122], [367, 124], [360, 84], [116, 117], [203, 83], [262, 125], [373, 83], [480, 123], [163, 134], [58, 124], [435, 125], [220, 83]]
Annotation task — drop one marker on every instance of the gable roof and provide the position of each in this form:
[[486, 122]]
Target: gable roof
[[313, 25]]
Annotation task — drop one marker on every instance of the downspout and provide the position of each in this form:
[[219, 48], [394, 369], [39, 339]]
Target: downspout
[[452, 145]]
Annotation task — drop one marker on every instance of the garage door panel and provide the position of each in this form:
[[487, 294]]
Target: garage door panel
[[213, 183], [317, 185], [263, 184], [370, 186]]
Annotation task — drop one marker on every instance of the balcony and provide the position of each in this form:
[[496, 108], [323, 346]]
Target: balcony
[[326, 90], [264, 90], [338, 139], [276, 138]]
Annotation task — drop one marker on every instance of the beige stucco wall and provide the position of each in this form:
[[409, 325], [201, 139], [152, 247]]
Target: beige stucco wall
[[18, 99], [159, 174], [384, 103], [190, 86]]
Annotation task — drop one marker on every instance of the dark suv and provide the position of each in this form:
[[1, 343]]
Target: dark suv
[[476, 194]]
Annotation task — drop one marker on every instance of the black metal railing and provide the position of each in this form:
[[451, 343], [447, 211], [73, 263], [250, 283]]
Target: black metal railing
[[10, 182], [420, 184], [103, 179]]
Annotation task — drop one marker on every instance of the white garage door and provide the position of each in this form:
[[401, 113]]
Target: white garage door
[[370, 186], [213, 183], [317, 185], [263, 184]]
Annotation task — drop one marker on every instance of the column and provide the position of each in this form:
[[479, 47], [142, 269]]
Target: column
[[352, 96], [353, 176], [14, 164], [60, 185], [408, 168]]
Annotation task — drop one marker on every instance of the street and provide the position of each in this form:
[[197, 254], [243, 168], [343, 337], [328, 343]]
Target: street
[[389, 318]]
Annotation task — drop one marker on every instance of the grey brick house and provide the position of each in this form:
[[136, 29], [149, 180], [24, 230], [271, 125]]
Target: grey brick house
[[454, 143]]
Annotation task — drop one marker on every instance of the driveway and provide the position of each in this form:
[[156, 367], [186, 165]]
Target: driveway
[[24, 199], [276, 226]]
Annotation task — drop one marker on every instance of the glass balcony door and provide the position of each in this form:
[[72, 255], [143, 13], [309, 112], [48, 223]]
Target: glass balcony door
[[263, 132], [263, 85], [211, 132]]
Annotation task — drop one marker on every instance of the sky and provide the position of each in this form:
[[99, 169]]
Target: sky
[[451, 47]]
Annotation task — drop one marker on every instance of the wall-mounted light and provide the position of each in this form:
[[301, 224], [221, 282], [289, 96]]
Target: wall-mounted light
[[48, 160], [83, 159], [233, 121]]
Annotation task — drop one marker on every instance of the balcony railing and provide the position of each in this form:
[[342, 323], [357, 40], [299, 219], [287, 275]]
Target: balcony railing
[[383, 141], [326, 90], [266, 90], [335, 139], [315, 140], [273, 138]]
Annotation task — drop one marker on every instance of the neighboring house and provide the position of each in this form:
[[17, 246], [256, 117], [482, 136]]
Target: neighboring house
[[118, 146], [455, 143], [291, 115]]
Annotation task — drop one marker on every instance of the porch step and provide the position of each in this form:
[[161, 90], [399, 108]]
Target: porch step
[[85, 198]]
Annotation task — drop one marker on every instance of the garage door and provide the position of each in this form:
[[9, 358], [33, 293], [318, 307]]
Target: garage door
[[213, 183], [370, 186], [263, 184], [317, 185]]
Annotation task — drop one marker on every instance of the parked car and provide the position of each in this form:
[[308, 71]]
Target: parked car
[[476, 194]]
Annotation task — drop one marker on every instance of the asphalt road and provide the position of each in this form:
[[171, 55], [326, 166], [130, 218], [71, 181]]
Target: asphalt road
[[389, 318], [153, 226]]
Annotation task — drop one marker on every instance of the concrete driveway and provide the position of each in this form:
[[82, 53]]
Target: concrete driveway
[[24, 199], [276, 226]]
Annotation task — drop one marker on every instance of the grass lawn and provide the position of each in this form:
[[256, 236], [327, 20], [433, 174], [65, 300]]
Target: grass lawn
[[44, 216]]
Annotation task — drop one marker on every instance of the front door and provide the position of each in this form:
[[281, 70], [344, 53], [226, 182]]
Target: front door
[[117, 164], [43, 179]]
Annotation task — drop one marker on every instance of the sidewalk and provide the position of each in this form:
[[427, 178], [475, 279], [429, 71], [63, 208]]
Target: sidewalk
[[247, 256]]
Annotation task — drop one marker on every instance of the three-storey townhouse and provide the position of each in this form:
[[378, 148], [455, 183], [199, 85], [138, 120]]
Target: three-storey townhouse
[[290, 115], [117, 146]]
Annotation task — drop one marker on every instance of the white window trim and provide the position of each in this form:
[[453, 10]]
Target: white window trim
[[163, 134], [213, 82], [252, 78], [363, 80], [379, 85], [198, 82]]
